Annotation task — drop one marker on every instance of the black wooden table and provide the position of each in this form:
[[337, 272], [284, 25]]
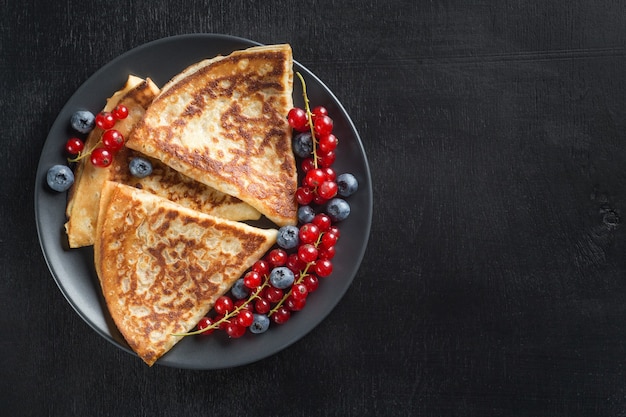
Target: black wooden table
[[494, 282]]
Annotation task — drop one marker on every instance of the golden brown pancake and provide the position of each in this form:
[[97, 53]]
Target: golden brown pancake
[[223, 122], [162, 266], [84, 196]]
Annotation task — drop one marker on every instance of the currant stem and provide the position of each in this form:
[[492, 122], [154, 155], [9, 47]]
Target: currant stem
[[309, 116]]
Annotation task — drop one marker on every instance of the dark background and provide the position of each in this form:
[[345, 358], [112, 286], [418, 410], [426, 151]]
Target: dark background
[[494, 283]]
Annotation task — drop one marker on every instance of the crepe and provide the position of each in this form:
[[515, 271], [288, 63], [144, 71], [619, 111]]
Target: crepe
[[223, 122], [162, 266], [84, 196]]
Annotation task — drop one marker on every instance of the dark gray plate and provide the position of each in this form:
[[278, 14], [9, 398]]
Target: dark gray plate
[[73, 269]]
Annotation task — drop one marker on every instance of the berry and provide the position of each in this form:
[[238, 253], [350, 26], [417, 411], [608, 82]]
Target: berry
[[295, 304], [347, 185], [273, 294], [329, 239], [287, 237], [319, 111], [205, 323], [325, 160], [105, 120], [101, 157], [297, 119], [281, 315], [307, 164], [294, 263], [323, 267], [74, 146], [223, 305], [262, 306], [234, 330], [311, 282], [302, 144], [323, 125], [243, 304], [304, 196], [244, 318], [60, 178], [305, 214], [120, 112], [83, 121], [327, 190], [281, 277], [322, 221], [239, 289], [330, 174], [307, 253], [277, 257], [314, 177], [112, 140], [309, 233], [262, 267], [260, 323], [326, 253], [338, 209], [252, 279], [299, 291], [328, 143], [140, 167]]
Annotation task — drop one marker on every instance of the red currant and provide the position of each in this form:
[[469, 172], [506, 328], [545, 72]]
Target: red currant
[[328, 143], [281, 315], [322, 221], [243, 305], [323, 125], [323, 267], [329, 239], [294, 263], [327, 190], [325, 160], [223, 305], [74, 146], [308, 253], [252, 279], [262, 306], [330, 173], [326, 253], [101, 157], [304, 196], [319, 111], [105, 120], [277, 257], [205, 323], [234, 330], [262, 267], [295, 304], [314, 177], [334, 230], [245, 318], [273, 294], [307, 164], [297, 119], [120, 112], [311, 282], [112, 140], [318, 199], [309, 233], [299, 291]]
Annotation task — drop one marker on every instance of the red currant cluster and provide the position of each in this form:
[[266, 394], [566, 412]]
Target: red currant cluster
[[111, 141], [280, 282]]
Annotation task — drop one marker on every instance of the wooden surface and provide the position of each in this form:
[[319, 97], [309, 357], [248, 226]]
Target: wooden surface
[[495, 279]]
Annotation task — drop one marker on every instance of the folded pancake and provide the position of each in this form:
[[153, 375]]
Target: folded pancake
[[162, 266], [84, 196], [223, 122]]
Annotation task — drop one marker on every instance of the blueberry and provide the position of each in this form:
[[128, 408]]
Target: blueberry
[[281, 277], [140, 167], [346, 185], [302, 144], [338, 209], [288, 237], [83, 121], [260, 323], [305, 214], [239, 290], [60, 178]]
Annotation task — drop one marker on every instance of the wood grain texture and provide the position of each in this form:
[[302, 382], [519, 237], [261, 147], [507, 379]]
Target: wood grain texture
[[495, 277]]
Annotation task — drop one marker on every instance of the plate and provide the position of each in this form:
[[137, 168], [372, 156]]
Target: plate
[[73, 269]]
